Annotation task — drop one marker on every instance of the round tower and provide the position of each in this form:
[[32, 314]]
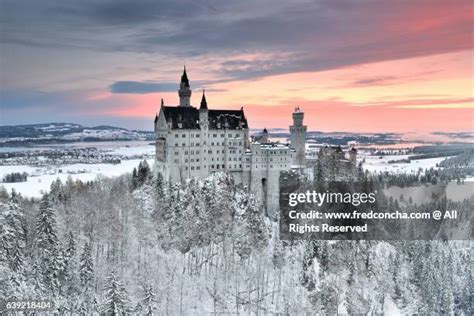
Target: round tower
[[298, 136]]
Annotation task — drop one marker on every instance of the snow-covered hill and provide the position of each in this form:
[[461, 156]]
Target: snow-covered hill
[[66, 132]]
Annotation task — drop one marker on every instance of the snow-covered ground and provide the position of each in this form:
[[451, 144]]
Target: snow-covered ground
[[375, 164], [40, 179]]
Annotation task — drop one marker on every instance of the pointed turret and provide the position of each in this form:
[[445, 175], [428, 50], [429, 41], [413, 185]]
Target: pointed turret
[[203, 101], [184, 90], [203, 113], [184, 78]]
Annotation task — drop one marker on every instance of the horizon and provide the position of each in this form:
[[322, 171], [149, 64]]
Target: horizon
[[286, 130], [351, 67]]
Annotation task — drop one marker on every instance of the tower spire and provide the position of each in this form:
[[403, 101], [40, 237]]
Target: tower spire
[[203, 101], [184, 78], [184, 90]]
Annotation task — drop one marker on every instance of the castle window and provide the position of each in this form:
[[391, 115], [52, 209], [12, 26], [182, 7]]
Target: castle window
[[176, 135], [183, 136], [184, 144], [185, 160]]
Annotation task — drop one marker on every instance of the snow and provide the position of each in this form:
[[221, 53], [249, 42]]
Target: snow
[[390, 308], [40, 178], [374, 164]]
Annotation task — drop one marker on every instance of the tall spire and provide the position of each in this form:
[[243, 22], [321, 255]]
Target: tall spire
[[203, 101], [184, 78]]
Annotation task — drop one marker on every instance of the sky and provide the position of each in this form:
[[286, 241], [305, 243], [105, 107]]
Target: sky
[[359, 66]]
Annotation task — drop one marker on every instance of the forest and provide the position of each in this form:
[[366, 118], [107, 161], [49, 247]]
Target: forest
[[135, 245]]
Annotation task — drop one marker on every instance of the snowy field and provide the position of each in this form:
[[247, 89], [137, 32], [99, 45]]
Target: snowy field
[[374, 164], [40, 178]]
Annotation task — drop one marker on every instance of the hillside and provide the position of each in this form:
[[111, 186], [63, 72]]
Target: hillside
[[66, 132]]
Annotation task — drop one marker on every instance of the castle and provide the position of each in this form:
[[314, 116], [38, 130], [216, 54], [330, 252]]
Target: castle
[[195, 142]]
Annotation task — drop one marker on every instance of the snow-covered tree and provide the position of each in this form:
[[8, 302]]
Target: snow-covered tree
[[86, 267], [116, 300], [149, 303], [47, 246]]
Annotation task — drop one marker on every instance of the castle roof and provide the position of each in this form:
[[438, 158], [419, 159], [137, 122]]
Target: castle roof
[[265, 130], [188, 118]]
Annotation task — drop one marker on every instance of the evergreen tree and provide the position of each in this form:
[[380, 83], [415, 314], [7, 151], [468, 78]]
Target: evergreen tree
[[47, 245], [116, 301], [148, 303], [86, 267], [69, 266], [12, 235]]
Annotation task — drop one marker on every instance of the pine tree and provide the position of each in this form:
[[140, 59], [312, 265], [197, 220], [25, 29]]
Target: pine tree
[[148, 303], [68, 275], [47, 245], [116, 301], [86, 267], [134, 179], [12, 236]]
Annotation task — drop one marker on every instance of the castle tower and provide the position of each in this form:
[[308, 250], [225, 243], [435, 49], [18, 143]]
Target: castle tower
[[298, 136], [184, 90], [264, 137]]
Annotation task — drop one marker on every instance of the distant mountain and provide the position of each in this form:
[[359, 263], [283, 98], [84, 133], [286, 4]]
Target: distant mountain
[[66, 132]]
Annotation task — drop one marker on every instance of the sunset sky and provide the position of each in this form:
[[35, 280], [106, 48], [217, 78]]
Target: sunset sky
[[363, 66]]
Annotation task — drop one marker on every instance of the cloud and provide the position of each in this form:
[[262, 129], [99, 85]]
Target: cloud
[[142, 87], [294, 36], [136, 87]]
